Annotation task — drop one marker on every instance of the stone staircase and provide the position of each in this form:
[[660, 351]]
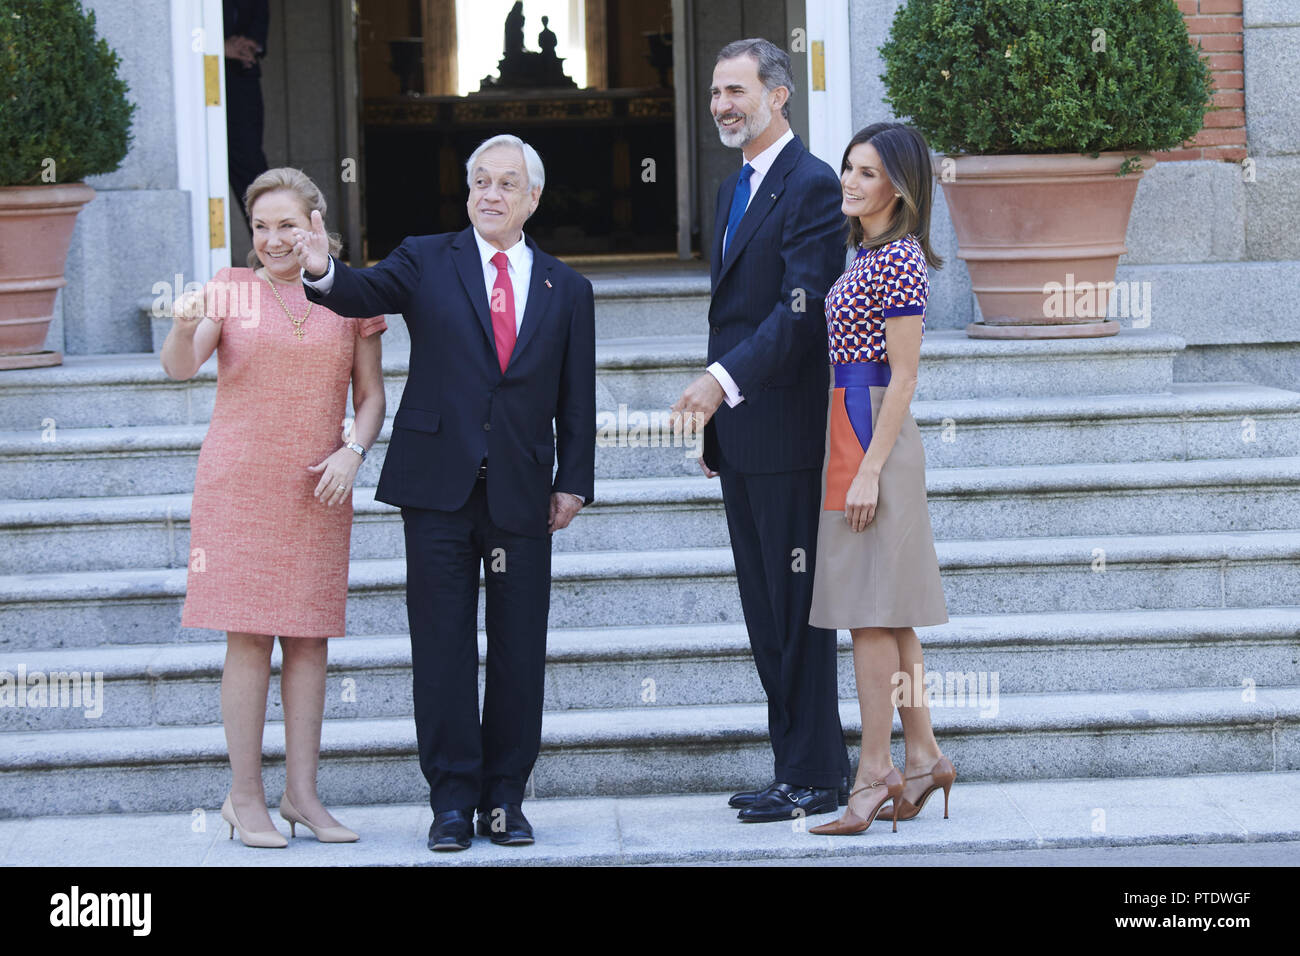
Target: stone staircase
[[1120, 555]]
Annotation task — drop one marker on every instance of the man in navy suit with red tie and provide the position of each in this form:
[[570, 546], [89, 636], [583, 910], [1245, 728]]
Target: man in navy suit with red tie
[[778, 246], [503, 350]]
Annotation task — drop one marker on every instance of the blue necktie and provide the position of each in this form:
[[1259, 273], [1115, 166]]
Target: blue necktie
[[739, 200]]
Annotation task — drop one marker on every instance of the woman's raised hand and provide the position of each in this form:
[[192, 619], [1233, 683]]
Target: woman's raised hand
[[312, 248], [189, 310]]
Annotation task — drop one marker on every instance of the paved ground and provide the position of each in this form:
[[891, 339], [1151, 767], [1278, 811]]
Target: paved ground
[[1219, 819], [1250, 854]]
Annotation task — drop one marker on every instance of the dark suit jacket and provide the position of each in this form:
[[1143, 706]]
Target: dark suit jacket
[[458, 406], [766, 321]]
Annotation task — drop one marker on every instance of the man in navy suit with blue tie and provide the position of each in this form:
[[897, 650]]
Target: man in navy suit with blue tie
[[778, 246], [502, 386]]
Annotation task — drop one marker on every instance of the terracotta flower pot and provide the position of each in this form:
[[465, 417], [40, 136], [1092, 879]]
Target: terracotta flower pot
[[36, 225], [1041, 236]]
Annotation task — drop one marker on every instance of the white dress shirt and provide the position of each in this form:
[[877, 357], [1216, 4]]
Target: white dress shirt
[[761, 163], [519, 270]]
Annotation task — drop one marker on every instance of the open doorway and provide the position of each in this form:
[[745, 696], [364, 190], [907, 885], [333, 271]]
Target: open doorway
[[589, 83], [365, 96]]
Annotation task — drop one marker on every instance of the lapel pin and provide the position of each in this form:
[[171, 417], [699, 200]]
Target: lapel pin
[[548, 283]]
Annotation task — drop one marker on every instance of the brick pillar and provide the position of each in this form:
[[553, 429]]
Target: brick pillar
[[1217, 26]]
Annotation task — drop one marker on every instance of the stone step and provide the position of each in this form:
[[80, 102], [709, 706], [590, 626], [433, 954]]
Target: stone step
[[152, 531], [1120, 498], [674, 302], [651, 749], [651, 372], [1190, 422], [672, 297], [697, 586], [114, 391], [688, 665], [1032, 822]]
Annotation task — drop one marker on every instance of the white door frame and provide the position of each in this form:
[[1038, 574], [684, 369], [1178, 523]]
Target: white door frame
[[830, 110], [198, 31]]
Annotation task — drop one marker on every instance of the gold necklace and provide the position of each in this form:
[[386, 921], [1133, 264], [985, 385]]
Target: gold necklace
[[297, 323]]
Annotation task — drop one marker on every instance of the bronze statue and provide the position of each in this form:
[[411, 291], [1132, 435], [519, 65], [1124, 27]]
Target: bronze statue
[[524, 69], [547, 40], [515, 30]]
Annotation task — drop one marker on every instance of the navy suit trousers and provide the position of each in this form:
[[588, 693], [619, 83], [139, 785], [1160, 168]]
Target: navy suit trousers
[[773, 522], [468, 763]]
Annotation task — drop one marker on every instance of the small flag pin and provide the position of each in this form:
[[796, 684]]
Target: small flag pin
[[548, 283]]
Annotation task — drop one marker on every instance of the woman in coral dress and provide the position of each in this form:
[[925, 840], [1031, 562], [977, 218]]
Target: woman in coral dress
[[877, 571], [271, 519]]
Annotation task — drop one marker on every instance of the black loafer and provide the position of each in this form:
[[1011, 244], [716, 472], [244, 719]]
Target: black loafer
[[505, 826], [746, 798], [786, 801], [452, 830]]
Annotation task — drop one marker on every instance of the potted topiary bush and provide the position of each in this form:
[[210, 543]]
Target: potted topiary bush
[[1047, 111], [64, 116]]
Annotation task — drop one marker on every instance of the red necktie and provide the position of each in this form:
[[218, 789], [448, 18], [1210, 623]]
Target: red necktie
[[503, 310]]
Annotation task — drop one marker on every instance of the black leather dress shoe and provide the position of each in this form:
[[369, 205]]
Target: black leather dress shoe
[[785, 801], [452, 830], [746, 798], [506, 826]]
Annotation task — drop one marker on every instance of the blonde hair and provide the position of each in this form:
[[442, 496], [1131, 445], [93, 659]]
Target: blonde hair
[[296, 182]]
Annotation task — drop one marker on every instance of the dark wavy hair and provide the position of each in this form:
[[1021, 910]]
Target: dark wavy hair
[[906, 158]]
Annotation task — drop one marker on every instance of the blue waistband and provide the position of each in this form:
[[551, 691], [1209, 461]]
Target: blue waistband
[[860, 374]]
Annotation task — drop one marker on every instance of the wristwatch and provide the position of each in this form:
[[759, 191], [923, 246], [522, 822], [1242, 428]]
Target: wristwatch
[[314, 278], [358, 448]]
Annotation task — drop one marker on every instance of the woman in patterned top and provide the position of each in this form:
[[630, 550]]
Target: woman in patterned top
[[876, 572]]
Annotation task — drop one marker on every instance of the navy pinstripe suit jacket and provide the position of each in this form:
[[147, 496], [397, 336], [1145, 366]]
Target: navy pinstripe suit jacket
[[767, 326]]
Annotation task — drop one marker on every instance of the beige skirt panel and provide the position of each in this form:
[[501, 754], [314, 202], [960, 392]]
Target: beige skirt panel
[[888, 574]]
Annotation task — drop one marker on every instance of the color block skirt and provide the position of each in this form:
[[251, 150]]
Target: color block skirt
[[888, 574]]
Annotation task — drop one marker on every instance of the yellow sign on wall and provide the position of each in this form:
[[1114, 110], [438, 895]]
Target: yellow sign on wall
[[211, 80], [216, 223], [818, 65]]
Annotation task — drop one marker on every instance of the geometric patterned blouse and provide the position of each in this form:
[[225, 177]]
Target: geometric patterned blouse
[[881, 283]]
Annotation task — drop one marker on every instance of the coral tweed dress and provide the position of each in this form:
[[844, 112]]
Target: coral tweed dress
[[265, 556], [886, 575]]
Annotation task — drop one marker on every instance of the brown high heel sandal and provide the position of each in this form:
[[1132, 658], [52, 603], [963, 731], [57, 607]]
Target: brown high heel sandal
[[943, 772], [850, 823]]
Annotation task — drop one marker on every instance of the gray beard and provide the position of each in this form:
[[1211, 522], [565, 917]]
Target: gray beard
[[754, 126]]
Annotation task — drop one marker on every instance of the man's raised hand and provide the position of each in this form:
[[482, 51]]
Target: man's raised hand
[[312, 249]]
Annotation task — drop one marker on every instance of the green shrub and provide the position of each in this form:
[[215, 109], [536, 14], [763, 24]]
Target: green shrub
[[60, 95], [1022, 76]]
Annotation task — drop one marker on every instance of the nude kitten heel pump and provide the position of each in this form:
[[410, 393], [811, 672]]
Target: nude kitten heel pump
[[261, 838], [323, 834]]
